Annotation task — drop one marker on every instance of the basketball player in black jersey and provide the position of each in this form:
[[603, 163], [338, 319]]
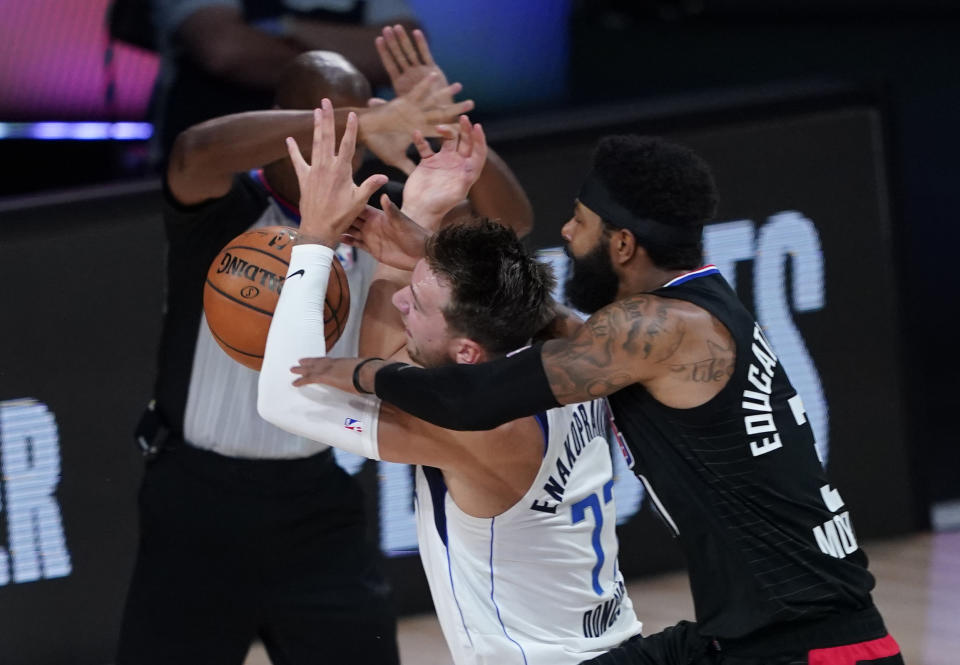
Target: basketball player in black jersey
[[719, 435]]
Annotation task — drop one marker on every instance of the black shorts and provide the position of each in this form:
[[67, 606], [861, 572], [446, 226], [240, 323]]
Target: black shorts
[[867, 643], [231, 550]]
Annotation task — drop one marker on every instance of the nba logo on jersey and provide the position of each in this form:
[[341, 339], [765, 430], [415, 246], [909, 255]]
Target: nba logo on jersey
[[346, 255], [353, 424]]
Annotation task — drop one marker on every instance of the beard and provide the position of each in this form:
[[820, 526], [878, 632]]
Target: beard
[[592, 283]]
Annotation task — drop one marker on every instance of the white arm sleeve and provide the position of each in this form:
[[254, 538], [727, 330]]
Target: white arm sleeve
[[318, 412]]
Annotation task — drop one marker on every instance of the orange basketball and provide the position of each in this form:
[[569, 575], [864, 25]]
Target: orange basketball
[[242, 288]]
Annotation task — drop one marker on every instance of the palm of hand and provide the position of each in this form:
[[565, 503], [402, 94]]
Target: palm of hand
[[391, 146], [405, 82], [433, 187]]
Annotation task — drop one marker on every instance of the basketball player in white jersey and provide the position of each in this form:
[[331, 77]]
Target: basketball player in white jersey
[[515, 525]]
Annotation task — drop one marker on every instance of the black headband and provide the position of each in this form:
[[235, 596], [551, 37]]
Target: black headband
[[595, 195]]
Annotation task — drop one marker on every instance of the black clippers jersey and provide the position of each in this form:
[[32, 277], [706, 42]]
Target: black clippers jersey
[[766, 537]]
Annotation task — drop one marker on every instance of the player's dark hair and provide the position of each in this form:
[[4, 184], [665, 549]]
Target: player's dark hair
[[500, 293], [662, 181]]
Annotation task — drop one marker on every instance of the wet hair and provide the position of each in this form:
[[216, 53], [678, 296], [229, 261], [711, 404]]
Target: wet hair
[[500, 293], [662, 181]]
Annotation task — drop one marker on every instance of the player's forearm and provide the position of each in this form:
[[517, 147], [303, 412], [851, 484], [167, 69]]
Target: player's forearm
[[497, 194], [240, 141], [316, 412], [469, 397], [205, 157]]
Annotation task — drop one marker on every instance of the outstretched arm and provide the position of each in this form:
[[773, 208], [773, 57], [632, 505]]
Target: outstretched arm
[[329, 200], [496, 193], [636, 340], [205, 157]]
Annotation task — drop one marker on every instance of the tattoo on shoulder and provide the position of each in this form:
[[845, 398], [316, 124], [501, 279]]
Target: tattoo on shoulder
[[718, 362], [591, 364]]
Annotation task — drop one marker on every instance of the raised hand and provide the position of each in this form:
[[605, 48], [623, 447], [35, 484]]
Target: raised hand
[[329, 199], [443, 179], [388, 235], [407, 63], [387, 129]]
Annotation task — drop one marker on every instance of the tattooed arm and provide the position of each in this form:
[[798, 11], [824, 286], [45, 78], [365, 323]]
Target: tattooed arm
[[681, 354], [677, 351]]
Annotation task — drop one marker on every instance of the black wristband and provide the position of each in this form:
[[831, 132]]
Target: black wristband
[[356, 375]]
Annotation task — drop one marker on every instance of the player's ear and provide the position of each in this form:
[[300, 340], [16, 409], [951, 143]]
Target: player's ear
[[623, 246], [467, 352]]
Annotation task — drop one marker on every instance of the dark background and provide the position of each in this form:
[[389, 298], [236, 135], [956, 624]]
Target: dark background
[[86, 311], [843, 111]]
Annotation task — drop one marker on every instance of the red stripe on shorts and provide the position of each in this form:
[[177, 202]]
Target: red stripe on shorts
[[851, 654]]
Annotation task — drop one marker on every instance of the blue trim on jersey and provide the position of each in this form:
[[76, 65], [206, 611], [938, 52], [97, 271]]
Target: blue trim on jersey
[[693, 274], [545, 428], [438, 495], [453, 592], [494, 600]]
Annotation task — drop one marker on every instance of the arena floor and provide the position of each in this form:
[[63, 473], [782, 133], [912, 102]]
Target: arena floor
[[918, 592]]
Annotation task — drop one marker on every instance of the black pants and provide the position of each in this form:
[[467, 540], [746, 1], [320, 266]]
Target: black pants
[[231, 550], [856, 639]]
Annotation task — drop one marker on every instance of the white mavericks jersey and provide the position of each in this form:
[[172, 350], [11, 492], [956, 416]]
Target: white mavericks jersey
[[538, 584], [221, 411]]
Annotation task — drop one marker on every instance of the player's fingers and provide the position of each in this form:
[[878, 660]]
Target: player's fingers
[[446, 131], [445, 93], [465, 145], [386, 58], [393, 45], [308, 370], [316, 147], [448, 112], [422, 46], [386, 204], [422, 145], [394, 215], [368, 213], [479, 142], [299, 163], [316, 141], [368, 187], [420, 91], [351, 240], [348, 143], [376, 101], [390, 210], [406, 45], [450, 140], [328, 133]]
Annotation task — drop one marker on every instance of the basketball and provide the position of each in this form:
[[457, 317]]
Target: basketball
[[242, 288]]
